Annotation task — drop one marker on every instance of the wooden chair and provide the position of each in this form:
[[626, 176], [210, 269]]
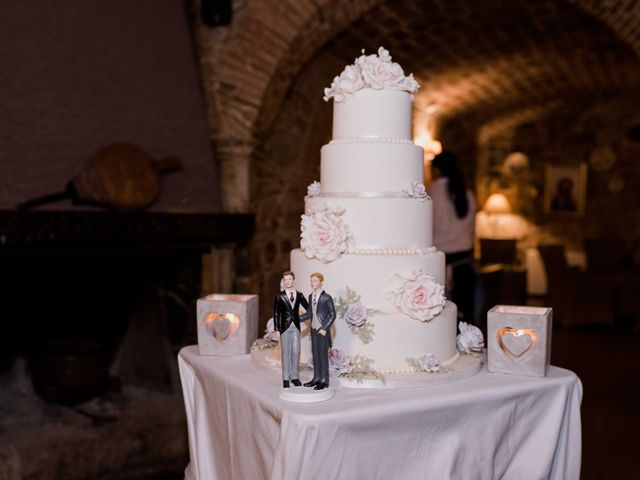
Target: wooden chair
[[497, 251]]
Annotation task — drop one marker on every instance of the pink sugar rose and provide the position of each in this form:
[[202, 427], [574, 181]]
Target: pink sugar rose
[[379, 74], [324, 235], [419, 296]]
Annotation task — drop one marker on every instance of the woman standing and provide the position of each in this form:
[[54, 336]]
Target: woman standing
[[454, 215]]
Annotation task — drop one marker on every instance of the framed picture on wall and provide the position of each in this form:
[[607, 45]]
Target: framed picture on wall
[[565, 189]]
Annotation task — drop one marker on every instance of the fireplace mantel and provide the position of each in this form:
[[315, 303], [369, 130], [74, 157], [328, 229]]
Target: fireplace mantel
[[74, 232]]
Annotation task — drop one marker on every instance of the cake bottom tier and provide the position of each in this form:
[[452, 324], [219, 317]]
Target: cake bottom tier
[[396, 341]]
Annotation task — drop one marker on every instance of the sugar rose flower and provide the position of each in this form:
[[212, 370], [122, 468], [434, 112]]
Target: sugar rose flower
[[378, 74], [470, 338], [383, 53], [409, 84], [338, 363], [373, 71], [345, 84], [418, 296], [314, 189], [324, 235], [270, 331], [418, 190], [429, 362], [356, 314], [350, 80]]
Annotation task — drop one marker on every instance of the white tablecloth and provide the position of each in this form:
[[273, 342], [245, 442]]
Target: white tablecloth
[[487, 427]]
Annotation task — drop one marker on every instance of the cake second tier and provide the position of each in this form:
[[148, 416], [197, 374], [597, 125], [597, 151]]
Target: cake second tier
[[370, 166]]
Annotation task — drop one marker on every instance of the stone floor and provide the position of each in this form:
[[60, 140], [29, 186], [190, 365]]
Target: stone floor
[[141, 435], [131, 435]]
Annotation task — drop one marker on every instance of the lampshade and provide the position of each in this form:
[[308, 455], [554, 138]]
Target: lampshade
[[497, 203]]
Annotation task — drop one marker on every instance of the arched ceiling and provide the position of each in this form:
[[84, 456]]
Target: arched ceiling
[[485, 60], [481, 62]]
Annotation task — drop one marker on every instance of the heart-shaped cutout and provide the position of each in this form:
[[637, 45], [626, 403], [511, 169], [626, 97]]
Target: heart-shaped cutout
[[518, 343], [222, 326]]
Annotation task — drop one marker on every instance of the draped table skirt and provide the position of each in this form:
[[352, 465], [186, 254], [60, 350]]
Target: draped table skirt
[[485, 427]]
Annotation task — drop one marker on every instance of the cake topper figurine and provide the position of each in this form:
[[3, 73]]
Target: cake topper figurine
[[286, 319], [322, 316]]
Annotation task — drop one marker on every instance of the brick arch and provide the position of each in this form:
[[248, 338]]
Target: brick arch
[[248, 68]]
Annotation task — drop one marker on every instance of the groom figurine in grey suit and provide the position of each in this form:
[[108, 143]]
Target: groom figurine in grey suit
[[286, 322], [322, 315]]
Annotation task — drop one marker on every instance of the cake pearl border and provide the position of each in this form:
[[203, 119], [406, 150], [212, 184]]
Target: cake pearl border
[[371, 140]]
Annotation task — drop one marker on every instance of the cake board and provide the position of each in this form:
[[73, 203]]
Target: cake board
[[465, 367], [305, 394]]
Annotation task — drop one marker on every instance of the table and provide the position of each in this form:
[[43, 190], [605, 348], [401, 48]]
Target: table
[[485, 427]]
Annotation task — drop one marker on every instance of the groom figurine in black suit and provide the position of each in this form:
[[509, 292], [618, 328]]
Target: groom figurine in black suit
[[322, 315], [286, 322]]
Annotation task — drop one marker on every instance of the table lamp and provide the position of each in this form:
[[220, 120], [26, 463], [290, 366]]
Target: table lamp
[[496, 206]]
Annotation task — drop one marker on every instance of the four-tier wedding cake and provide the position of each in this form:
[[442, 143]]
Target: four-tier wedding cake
[[367, 228]]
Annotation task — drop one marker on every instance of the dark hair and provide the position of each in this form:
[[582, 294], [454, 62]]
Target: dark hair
[[289, 272], [447, 163]]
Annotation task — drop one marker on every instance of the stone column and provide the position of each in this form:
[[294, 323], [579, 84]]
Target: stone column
[[234, 157]]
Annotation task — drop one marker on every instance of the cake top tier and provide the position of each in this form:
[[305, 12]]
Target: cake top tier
[[370, 71]]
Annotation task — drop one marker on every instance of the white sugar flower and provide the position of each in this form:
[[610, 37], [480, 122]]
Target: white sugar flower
[[418, 190], [314, 189], [429, 362], [372, 71], [470, 338], [383, 53], [270, 331]]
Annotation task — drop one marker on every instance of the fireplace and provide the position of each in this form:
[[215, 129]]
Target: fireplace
[[95, 307]]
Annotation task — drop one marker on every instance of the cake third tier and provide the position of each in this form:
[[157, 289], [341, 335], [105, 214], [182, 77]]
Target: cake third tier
[[393, 224]]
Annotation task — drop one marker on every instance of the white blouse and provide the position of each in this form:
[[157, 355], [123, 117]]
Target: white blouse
[[450, 233]]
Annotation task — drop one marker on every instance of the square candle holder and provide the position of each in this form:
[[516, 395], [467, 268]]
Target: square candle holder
[[519, 340], [227, 324]]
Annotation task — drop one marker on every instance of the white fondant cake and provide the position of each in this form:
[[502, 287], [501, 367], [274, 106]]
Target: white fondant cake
[[368, 230]]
